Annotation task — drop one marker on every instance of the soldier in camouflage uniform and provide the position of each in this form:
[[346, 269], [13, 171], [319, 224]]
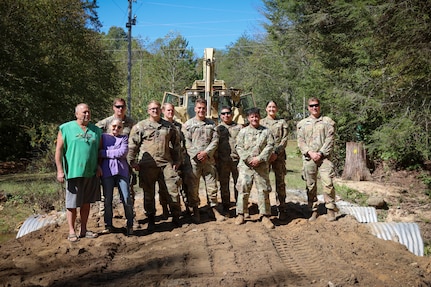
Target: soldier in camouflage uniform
[[155, 151], [277, 161], [119, 107], [227, 157], [316, 141], [254, 145], [201, 143], [168, 111]]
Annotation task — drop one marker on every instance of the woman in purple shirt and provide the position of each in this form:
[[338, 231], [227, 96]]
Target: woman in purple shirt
[[116, 173]]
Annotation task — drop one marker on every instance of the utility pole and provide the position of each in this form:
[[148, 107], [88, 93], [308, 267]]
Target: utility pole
[[132, 21]]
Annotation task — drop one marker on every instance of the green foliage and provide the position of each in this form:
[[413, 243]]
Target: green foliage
[[351, 195], [426, 179], [29, 194], [50, 60], [368, 63], [400, 141], [427, 248]]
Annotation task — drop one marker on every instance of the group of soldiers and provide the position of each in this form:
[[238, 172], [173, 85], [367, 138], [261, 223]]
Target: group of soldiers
[[176, 156]]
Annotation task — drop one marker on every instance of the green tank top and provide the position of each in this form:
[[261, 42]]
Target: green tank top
[[80, 151]]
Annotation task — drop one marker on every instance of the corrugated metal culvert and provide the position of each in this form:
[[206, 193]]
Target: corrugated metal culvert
[[36, 222], [406, 233]]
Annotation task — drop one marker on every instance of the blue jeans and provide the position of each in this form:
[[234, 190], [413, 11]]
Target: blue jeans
[[122, 183]]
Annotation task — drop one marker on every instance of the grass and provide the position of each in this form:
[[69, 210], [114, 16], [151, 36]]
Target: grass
[[351, 195], [27, 194], [294, 167]]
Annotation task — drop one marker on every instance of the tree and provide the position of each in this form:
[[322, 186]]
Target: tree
[[174, 64], [50, 60]]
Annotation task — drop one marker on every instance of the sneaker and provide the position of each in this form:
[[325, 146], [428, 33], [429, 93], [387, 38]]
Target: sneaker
[[239, 219], [108, 229], [267, 222]]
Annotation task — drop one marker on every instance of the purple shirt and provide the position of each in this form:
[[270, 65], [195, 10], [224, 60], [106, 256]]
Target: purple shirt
[[114, 155]]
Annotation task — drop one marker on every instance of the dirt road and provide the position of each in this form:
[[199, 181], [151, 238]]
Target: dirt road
[[295, 253]]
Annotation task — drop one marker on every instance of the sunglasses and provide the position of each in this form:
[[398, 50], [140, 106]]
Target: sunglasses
[[119, 106], [314, 106], [226, 113], [118, 127]]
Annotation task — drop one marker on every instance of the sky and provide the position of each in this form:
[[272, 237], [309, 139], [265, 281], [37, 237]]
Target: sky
[[203, 23]]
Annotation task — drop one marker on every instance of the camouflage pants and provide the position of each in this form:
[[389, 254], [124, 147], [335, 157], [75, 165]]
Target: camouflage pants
[[279, 168], [260, 177], [326, 171], [225, 169], [148, 176], [209, 173]]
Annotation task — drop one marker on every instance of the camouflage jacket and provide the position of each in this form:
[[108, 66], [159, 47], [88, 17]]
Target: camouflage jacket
[[105, 124], [316, 135], [226, 150], [154, 143], [180, 134], [254, 142], [201, 136], [280, 131]]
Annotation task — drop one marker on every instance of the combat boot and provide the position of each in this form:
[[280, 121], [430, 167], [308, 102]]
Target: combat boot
[[314, 216], [331, 215], [216, 214], [129, 231], [176, 211], [267, 222], [165, 214], [282, 215], [196, 218], [226, 210], [151, 223], [239, 219]]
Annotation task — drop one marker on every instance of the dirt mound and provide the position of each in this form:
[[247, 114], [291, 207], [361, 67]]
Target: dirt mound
[[295, 253]]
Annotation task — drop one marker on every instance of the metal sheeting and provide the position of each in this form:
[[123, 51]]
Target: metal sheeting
[[406, 233], [36, 222], [361, 213]]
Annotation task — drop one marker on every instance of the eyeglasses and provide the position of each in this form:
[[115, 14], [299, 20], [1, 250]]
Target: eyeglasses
[[118, 127], [314, 105], [119, 106], [225, 113]]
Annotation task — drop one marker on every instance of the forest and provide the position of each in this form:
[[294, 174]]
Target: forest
[[368, 61]]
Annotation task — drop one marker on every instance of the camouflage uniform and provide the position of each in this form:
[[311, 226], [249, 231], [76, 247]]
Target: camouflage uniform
[[317, 135], [201, 136], [252, 142], [164, 199], [155, 146], [280, 131], [227, 159]]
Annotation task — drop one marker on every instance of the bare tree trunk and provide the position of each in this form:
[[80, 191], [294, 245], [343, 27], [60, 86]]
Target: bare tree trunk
[[355, 167]]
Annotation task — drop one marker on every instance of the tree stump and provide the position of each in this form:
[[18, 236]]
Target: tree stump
[[355, 167]]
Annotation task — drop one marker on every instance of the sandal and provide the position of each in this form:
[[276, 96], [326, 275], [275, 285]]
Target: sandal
[[89, 234], [73, 238]]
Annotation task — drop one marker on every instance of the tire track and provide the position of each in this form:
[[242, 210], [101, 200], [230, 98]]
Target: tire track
[[302, 259]]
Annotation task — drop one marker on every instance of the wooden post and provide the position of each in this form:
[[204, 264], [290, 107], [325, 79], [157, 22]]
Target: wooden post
[[355, 167]]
